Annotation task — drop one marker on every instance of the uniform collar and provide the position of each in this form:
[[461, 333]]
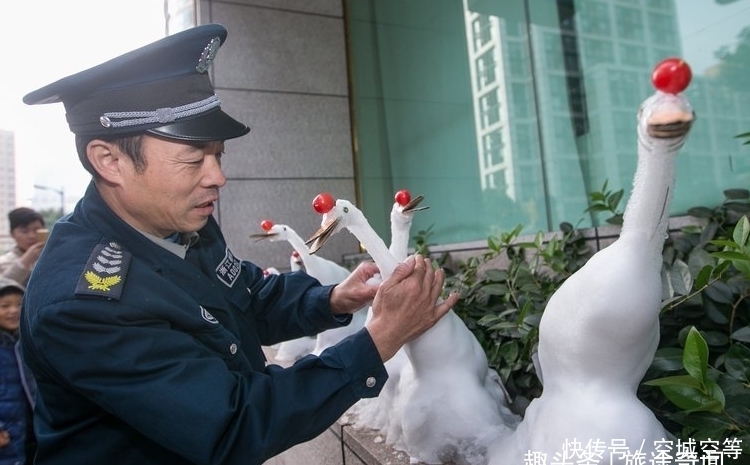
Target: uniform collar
[[179, 247]]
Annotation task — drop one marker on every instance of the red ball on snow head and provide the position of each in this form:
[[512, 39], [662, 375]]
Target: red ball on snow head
[[671, 75]]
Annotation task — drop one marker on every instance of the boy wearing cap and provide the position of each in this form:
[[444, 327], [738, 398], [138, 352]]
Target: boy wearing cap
[[144, 330], [16, 435]]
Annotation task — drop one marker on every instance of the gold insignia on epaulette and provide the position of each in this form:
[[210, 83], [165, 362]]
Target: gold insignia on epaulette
[[105, 271], [97, 283]]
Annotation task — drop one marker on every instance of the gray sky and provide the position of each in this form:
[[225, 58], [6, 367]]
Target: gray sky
[[45, 40]]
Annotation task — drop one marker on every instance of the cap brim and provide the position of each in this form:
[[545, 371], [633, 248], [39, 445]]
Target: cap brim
[[10, 284], [214, 125]]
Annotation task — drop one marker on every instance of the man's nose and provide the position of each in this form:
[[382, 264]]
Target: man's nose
[[214, 174]]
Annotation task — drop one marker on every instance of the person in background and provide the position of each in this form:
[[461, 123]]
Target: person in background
[[16, 396], [17, 263], [144, 331]]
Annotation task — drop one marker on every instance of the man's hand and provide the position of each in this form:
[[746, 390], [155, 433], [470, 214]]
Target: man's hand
[[31, 255], [354, 292], [406, 305]]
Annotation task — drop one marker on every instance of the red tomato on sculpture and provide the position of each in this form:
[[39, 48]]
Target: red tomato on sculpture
[[323, 203], [403, 197], [671, 75]]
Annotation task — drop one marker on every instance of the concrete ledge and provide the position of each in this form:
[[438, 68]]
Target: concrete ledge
[[345, 445], [364, 447]]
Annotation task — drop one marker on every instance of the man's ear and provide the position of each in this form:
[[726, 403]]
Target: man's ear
[[106, 159]]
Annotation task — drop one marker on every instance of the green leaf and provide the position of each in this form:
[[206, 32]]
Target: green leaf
[[616, 220], [720, 269], [741, 231], [495, 274], [716, 338], [538, 239], [667, 359], [742, 334], [680, 277], [687, 393], [509, 352], [552, 246], [729, 255], [720, 292], [615, 198], [709, 232], [698, 259], [714, 313], [488, 320], [743, 267], [737, 362], [724, 243], [716, 395], [704, 275], [702, 421], [532, 320], [503, 325], [691, 399], [679, 380], [495, 289], [695, 355], [597, 196], [596, 208]]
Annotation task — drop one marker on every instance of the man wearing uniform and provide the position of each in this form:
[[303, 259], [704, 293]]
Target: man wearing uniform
[[141, 327]]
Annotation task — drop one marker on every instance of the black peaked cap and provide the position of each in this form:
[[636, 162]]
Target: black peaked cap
[[162, 88]]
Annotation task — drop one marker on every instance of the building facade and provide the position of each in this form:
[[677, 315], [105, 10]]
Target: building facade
[[499, 112], [7, 186]]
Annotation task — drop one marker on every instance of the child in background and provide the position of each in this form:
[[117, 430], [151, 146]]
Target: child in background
[[16, 434]]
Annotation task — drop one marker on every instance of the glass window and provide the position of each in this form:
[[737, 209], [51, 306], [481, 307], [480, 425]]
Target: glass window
[[486, 67], [490, 108], [629, 23], [594, 18], [633, 56], [662, 29], [482, 31], [506, 112]]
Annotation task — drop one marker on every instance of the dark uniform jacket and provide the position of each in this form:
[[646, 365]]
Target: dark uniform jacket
[[142, 357]]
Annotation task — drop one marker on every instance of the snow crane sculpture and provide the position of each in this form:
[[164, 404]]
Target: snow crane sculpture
[[600, 329], [324, 270], [447, 411], [377, 413]]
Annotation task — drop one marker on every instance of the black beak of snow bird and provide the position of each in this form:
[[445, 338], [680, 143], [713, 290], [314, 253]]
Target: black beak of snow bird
[[322, 235], [678, 126], [260, 236], [412, 205]]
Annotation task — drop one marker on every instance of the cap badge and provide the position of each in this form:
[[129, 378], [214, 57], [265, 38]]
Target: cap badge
[[208, 55]]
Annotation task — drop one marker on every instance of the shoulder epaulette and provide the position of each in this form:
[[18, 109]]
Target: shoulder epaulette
[[105, 271]]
